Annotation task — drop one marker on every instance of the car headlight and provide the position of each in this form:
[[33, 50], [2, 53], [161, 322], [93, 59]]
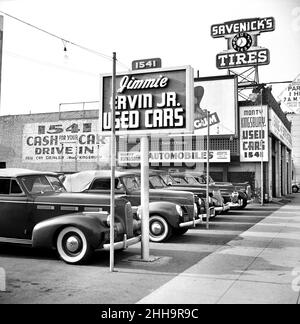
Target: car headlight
[[139, 212], [179, 210], [108, 220], [235, 194], [195, 209]]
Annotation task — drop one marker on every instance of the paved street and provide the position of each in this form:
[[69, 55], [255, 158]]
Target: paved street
[[246, 256]]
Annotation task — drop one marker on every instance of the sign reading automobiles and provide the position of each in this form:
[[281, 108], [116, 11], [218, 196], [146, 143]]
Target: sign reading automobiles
[[64, 141], [149, 101], [242, 42], [254, 134]]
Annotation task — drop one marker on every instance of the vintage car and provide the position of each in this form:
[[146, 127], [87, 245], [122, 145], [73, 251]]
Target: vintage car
[[170, 212], [180, 181], [295, 186], [238, 194], [36, 210]]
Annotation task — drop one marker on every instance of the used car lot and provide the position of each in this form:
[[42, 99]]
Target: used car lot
[[36, 276]]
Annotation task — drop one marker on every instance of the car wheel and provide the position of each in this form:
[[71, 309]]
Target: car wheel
[[73, 246], [245, 203], [180, 231], [295, 189], [159, 229]]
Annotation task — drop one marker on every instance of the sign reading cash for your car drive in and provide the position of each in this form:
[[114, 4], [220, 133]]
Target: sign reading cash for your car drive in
[[64, 141], [149, 101], [241, 35]]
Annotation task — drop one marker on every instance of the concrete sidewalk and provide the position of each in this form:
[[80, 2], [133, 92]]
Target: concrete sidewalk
[[262, 265]]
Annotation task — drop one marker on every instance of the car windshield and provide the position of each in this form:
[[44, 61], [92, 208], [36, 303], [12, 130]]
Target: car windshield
[[132, 183], [202, 179], [40, 184], [191, 180], [156, 182]]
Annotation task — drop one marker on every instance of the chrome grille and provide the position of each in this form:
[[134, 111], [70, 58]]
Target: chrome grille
[[129, 220]]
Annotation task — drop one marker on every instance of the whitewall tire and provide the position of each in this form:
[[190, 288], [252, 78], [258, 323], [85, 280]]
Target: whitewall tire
[[159, 229], [73, 246]]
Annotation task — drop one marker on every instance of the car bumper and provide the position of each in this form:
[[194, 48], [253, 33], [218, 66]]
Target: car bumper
[[222, 208], [191, 223], [123, 244]]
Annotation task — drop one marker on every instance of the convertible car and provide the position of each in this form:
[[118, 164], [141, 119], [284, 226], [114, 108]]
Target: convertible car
[[36, 210], [171, 212]]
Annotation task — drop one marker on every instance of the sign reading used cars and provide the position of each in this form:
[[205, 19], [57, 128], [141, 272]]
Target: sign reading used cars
[[149, 101], [254, 134]]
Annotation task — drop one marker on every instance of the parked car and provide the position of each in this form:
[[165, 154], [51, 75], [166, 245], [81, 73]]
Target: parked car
[[170, 212], [36, 210], [233, 194], [295, 186], [183, 181]]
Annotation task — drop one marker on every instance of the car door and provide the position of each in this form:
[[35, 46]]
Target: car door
[[14, 210]]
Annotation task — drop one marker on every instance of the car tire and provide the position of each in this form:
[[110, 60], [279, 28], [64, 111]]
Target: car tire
[[73, 246], [159, 229], [180, 231], [245, 203], [295, 189]]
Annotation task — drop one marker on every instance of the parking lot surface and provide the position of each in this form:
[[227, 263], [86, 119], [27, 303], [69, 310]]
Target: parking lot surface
[[37, 276]]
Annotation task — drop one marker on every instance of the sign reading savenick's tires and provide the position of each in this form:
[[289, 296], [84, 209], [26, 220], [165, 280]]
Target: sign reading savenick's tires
[[149, 101]]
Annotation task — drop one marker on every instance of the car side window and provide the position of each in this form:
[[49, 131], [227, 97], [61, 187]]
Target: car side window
[[15, 188], [101, 184], [9, 186], [4, 186]]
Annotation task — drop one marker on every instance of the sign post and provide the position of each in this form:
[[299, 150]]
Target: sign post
[[145, 197], [113, 167], [207, 173]]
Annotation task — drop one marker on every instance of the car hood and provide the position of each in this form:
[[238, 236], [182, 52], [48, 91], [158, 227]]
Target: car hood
[[73, 199], [166, 194]]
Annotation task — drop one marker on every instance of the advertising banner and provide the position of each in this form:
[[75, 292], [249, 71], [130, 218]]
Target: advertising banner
[[218, 95], [150, 101], [290, 97], [279, 130], [176, 156], [67, 141], [254, 134]]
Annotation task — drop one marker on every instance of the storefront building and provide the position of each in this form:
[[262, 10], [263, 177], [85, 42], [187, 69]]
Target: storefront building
[[69, 142]]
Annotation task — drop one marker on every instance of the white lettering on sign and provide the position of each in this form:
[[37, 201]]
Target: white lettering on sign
[[279, 130], [147, 102], [233, 59], [290, 96], [254, 141], [176, 156], [130, 83], [247, 25], [66, 141]]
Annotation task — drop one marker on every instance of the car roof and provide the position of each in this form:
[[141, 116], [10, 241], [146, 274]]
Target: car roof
[[18, 172]]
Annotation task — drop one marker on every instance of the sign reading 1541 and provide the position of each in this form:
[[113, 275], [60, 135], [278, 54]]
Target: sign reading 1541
[[152, 63]]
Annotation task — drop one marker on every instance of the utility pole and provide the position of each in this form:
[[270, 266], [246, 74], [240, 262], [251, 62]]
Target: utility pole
[[262, 150], [113, 167], [207, 172]]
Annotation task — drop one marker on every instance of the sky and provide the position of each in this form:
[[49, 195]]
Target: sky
[[38, 76]]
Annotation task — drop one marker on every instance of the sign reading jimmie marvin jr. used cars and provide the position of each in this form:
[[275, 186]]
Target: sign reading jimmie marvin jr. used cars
[[149, 101]]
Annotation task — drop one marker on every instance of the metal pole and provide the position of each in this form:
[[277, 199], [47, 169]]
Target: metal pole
[[113, 167], [207, 173], [145, 197], [262, 151]]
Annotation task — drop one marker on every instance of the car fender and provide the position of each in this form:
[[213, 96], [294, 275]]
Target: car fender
[[165, 209], [45, 232]]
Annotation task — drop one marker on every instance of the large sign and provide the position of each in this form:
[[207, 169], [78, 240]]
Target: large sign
[[147, 102], [254, 139], [279, 130], [64, 141], [253, 25], [241, 36], [218, 95], [290, 96], [183, 156]]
